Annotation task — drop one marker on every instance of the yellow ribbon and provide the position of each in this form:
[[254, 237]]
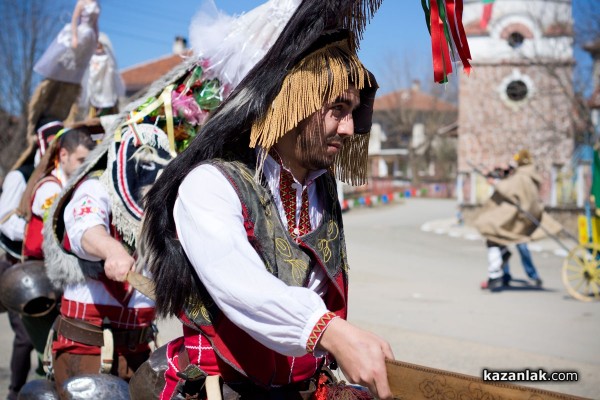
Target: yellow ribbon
[[163, 99], [118, 135], [166, 95]]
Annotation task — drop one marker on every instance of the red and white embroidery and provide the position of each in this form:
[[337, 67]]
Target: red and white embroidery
[[318, 330]]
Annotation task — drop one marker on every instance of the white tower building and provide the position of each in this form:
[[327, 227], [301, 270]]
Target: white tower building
[[520, 92]]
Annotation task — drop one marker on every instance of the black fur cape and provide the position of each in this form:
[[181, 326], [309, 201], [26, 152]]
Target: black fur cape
[[226, 135]]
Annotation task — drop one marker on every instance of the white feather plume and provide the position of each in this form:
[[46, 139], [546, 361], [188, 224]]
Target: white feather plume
[[233, 45]]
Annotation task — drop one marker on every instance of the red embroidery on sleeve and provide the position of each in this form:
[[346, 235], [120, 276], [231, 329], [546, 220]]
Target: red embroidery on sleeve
[[318, 330]]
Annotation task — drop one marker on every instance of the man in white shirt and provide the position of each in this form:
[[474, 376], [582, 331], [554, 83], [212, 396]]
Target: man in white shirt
[[12, 218], [246, 246], [67, 152], [96, 302]]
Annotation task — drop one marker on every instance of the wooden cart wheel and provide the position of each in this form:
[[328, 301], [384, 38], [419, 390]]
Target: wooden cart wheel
[[581, 272]]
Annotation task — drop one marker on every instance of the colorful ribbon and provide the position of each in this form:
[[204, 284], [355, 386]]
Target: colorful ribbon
[[167, 100], [163, 100], [487, 13], [444, 21], [455, 12]]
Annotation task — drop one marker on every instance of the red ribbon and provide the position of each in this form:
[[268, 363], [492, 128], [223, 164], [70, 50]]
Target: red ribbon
[[461, 28], [441, 55], [486, 15], [458, 32], [442, 64]]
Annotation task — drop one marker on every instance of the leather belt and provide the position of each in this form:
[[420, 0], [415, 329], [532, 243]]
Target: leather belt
[[90, 334]]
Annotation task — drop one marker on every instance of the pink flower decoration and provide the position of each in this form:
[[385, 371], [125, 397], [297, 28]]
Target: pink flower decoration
[[184, 106]]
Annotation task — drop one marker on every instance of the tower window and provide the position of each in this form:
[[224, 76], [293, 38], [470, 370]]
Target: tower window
[[516, 90], [515, 40]]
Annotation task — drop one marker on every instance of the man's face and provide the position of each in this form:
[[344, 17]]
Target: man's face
[[321, 136], [71, 161]]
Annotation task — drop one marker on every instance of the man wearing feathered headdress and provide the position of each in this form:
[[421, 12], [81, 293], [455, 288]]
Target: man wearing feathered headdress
[[243, 232], [91, 237]]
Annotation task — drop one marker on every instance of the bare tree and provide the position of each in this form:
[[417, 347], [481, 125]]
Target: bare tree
[[587, 28], [412, 117], [576, 84], [27, 28], [587, 36], [446, 157]]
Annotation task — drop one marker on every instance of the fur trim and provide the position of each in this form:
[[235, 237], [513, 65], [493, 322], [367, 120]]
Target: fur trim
[[62, 267]]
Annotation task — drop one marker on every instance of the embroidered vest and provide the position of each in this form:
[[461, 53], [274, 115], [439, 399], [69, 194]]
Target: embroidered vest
[[33, 236], [291, 261]]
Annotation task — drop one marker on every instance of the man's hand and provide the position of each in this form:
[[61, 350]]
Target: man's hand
[[360, 354], [117, 261], [118, 264]]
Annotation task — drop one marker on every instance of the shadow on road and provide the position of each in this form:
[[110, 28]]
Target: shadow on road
[[522, 285]]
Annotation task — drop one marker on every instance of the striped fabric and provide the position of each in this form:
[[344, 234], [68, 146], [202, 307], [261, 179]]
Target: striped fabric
[[121, 318]]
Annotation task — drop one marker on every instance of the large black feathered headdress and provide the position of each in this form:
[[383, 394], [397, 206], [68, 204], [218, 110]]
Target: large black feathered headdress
[[315, 55], [311, 61]]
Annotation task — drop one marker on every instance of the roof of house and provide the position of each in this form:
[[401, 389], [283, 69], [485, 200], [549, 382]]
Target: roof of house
[[142, 75], [412, 99]]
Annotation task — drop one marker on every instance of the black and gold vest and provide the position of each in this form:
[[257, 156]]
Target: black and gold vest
[[290, 261]]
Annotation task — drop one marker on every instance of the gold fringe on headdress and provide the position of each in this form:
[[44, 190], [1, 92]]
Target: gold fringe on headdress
[[319, 79], [352, 161]]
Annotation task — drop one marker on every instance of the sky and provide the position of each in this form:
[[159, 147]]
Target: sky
[[397, 38], [140, 33]]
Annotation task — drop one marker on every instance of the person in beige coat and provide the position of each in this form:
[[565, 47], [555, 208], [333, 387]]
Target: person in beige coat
[[502, 223]]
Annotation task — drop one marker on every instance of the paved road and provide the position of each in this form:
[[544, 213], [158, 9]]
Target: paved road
[[420, 291]]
